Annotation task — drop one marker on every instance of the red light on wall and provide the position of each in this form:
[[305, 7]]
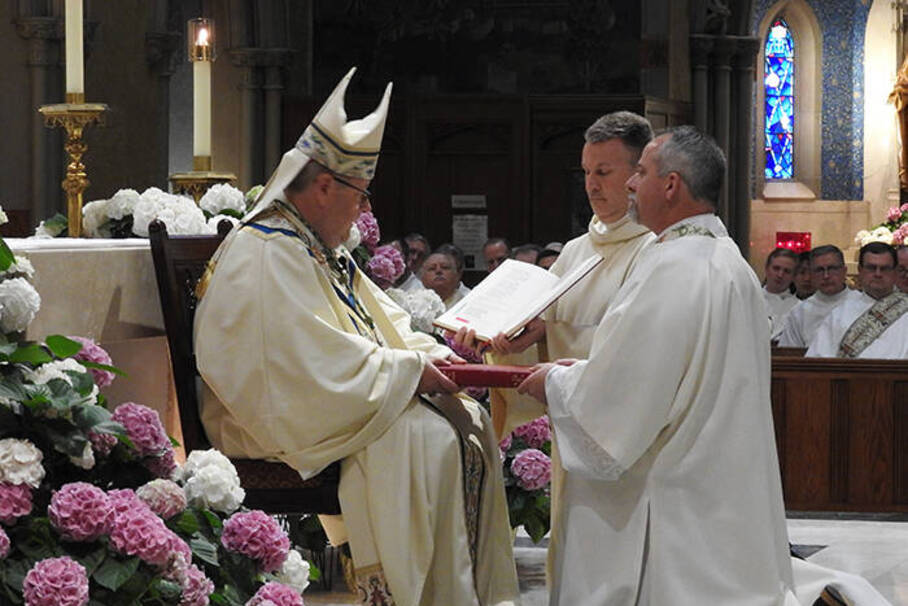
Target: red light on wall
[[798, 241]]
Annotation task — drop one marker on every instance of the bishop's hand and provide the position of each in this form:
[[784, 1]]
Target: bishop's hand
[[433, 380]]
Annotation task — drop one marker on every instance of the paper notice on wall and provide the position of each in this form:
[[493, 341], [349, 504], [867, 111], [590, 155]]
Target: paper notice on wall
[[470, 232]]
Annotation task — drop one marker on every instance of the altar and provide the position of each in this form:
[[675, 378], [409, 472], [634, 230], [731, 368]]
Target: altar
[[105, 289]]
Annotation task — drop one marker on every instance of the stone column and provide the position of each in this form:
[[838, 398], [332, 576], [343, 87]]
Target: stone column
[[46, 170], [744, 62], [162, 50], [700, 48], [722, 54]]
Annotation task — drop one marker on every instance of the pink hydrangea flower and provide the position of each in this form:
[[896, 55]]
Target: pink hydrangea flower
[[276, 593], [144, 428], [894, 214], [504, 446], [535, 433], [56, 582], [195, 585], [464, 352], [4, 543], [164, 497], [163, 465], [92, 352], [900, 236], [124, 499], [368, 229], [140, 532], [102, 443], [386, 265], [15, 501], [532, 468], [904, 208], [80, 512], [256, 535]]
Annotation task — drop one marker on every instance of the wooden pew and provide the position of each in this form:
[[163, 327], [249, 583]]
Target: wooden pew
[[841, 432]]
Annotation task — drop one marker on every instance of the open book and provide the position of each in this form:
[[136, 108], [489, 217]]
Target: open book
[[509, 297]]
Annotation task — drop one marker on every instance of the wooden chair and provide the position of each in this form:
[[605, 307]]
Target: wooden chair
[[274, 487]]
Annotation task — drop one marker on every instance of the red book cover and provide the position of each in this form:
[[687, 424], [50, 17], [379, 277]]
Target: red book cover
[[486, 375]]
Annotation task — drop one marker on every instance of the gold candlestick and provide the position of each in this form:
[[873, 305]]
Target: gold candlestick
[[74, 117]]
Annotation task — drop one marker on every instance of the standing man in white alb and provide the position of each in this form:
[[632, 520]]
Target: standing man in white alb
[[873, 325], [669, 421], [827, 266], [780, 269]]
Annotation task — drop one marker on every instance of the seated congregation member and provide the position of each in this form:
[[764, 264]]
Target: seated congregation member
[[901, 272], [442, 272], [547, 258], [803, 283], [528, 253], [874, 325], [418, 249], [827, 266], [305, 360], [780, 269], [408, 281], [495, 251]]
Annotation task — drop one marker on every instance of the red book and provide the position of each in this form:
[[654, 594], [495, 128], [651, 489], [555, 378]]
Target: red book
[[486, 375]]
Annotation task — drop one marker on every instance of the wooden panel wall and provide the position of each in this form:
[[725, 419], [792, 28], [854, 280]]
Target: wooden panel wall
[[842, 433]]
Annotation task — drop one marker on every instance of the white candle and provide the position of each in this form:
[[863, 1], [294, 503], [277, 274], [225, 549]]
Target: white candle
[[201, 100], [74, 75], [201, 108]]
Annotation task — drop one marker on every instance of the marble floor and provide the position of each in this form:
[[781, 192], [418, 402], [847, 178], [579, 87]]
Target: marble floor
[[875, 547]]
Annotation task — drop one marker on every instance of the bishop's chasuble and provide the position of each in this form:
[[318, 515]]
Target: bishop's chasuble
[[666, 433], [310, 365]]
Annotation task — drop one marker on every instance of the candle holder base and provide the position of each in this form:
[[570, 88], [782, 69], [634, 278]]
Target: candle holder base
[[74, 117], [197, 182]]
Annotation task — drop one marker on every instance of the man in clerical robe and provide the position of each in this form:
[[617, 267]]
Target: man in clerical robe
[[780, 268], [306, 361], [669, 421], [901, 272], [827, 266], [873, 325]]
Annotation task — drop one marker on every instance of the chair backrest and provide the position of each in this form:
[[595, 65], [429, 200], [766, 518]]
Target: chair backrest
[[179, 262]]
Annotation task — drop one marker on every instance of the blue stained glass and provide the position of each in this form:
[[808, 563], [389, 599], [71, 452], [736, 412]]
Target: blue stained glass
[[778, 82]]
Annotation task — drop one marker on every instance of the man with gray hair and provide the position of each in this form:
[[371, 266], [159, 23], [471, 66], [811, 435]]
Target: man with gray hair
[[668, 423]]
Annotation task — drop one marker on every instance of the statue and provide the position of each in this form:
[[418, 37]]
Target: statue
[[899, 97]]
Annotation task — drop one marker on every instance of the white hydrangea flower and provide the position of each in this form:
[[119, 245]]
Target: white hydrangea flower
[[20, 462], [215, 220], [215, 488], [353, 238], [19, 302], [423, 305], [54, 370], [87, 460], [94, 216], [199, 459], [223, 196], [179, 213], [22, 267], [146, 209], [3, 217], [122, 203], [294, 572]]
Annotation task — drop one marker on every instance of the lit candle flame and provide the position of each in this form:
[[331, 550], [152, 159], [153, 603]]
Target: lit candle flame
[[202, 39]]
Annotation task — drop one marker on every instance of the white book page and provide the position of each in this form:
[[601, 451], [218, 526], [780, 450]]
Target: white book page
[[498, 302]]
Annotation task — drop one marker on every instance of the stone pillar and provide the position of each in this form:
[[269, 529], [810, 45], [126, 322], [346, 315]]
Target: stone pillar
[[46, 170], [700, 48], [273, 91], [722, 54], [162, 50], [744, 62]]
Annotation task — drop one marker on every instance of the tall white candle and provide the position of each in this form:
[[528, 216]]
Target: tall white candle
[[74, 73], [201, 108]]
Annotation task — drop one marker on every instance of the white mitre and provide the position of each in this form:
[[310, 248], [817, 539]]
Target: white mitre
[[349, 149]]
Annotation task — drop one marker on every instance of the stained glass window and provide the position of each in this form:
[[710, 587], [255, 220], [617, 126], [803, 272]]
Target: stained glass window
[[778, 82]]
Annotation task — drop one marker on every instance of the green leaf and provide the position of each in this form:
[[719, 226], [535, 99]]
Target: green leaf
[[31, 354], [213, 520], [204, 549], [6, 256], [7, 347], [56, 225], [62, 347], [174, 442], [108, 368], [168, 590], [92, 559], [186, 522], [113, 573], [87, 416], [12, 391], [314, 573]]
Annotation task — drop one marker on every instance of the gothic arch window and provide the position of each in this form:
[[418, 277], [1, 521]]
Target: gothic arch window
[[787, 132], [778, 88]]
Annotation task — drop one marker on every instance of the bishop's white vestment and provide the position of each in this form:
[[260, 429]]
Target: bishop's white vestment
[[309, 367], [669, 426], [891, 344], [805, 318]]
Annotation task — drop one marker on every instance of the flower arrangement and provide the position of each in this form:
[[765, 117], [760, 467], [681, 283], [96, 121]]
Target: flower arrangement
[[423, 305], [128, 213], [893, 231], [94, 509], [19, 301], [527, 476], [385, 266]]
